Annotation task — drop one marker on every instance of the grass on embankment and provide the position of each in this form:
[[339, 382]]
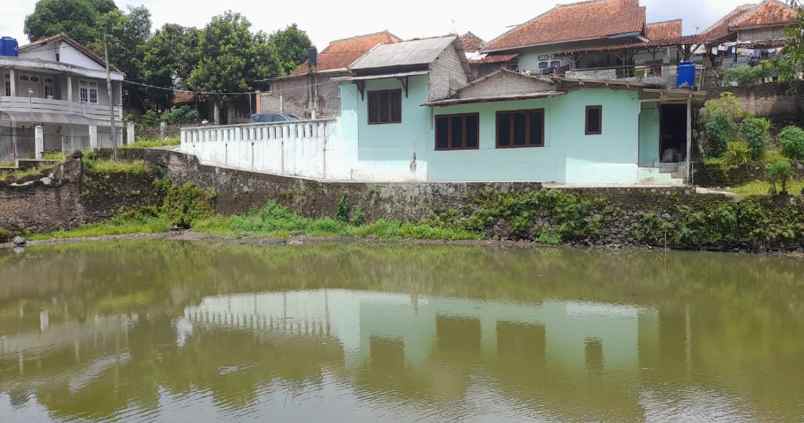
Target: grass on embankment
[[756, 188], [141, 222], [275, 221], [155, 143], [272, 221]]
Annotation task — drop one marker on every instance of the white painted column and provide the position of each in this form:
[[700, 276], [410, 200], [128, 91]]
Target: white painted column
[[39, 142], [13, 78], [162, 130], [130, 133], [70, 89], [93, 137]]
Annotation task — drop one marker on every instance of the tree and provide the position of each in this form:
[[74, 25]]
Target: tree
[[77, 18], [232, 59], [291, 46], [127, 35], [792, 60], [169, 59]]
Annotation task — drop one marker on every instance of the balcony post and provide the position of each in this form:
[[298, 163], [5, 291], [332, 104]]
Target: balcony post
[[93, 137], [70, 89], [13, 78], [39, 142]]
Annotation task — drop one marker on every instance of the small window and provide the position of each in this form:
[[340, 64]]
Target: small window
[[7, 86], [543, 65], [457, 132], [385, 107], [594, 120], [520, 128], [88, 92]]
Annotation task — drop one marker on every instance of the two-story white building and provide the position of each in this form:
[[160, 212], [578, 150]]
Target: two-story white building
[[54, 97]]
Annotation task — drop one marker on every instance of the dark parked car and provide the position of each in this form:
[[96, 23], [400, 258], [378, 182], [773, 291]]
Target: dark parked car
[[273, 117]]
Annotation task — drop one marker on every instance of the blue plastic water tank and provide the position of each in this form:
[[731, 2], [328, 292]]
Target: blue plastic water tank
[[686, 75], [8, 46]]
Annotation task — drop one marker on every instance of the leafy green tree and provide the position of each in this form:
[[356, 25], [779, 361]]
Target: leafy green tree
[[720, 120], [792, 60], [756, 132], [77, 18], [792, 140], [169, 59], [232, 58], [291, 46]]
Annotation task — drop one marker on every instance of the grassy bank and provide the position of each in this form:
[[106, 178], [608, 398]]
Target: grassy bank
[[550, 217], [275, 221], [155, 143], [139, 222]]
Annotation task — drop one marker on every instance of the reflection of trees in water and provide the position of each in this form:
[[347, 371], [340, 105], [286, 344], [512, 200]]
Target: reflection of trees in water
[[716, 313]]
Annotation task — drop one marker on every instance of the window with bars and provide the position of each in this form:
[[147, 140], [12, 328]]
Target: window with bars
[[384, 107], [88, 92], [457, 132], [520, 128], [594, 120], [7, 85]]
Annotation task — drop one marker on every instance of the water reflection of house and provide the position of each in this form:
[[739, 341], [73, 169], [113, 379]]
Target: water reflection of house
[[577, 336]]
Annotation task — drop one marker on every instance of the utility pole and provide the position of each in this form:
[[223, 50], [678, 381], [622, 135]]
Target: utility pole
[[111, 97]]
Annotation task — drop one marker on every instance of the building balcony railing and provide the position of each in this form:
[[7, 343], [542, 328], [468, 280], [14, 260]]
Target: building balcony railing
[[97, 112]]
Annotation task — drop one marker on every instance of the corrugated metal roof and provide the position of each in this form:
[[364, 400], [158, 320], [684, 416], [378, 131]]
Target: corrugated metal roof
[[406, 53]]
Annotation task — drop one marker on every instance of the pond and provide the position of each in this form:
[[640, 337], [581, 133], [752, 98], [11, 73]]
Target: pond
[[158, 331]]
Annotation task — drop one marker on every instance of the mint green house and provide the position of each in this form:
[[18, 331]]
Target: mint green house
[[415, 116]]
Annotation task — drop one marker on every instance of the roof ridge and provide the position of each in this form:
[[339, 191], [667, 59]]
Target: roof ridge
[[666, 21], [431, 38], [385, 31]]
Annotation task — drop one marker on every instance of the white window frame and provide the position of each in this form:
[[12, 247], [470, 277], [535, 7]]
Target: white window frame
[[88, 92]]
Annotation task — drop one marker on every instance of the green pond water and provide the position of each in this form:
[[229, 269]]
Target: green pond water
[[191, 332]]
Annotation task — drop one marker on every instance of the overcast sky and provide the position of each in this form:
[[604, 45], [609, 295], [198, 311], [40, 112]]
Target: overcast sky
[[325, 20]]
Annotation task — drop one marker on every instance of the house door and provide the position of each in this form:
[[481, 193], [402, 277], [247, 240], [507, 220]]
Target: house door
[[673, 133]]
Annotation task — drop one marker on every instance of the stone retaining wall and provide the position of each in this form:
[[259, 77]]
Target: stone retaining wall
[[71, 197]]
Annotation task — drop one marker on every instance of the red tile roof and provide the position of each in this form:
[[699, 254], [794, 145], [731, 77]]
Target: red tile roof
[[659, 31], [472, 42], [720, 29], [340, 54], [768, 13], [586, 20]]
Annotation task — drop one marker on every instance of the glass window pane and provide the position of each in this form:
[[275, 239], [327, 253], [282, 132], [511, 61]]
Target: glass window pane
[[519, 129], [442, 131], [472, 131], [396, 106], [457, 132], [536, 127], [503, 130]]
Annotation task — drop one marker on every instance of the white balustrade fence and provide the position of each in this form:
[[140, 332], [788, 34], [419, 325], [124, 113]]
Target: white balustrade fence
[[305, 148]]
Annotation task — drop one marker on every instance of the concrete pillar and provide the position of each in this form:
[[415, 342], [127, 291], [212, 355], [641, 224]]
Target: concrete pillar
[[162, 130], [93, 137], [216, 113], [13, 78], [70, 89], [39, 142], [131, 137]]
